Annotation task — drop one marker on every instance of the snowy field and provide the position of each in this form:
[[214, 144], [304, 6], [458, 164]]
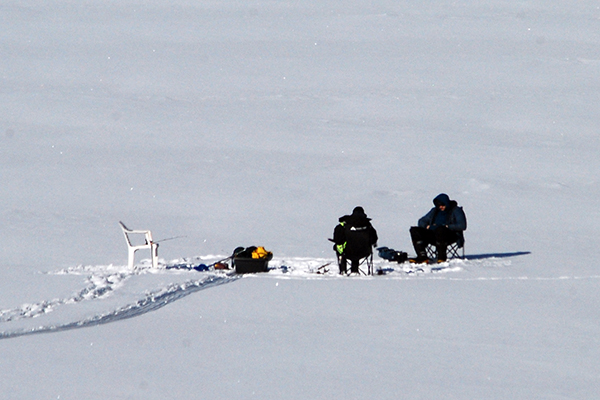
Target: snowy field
[[231, 123]]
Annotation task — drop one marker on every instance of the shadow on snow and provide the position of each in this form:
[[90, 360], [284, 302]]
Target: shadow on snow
[[495, 255]]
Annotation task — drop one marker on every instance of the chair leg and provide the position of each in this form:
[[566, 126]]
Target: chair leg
[[131, 258], [457, 252], [453, 251], [154, 251], [431, 252]]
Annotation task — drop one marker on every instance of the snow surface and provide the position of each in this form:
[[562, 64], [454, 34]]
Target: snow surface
[[260, 123]]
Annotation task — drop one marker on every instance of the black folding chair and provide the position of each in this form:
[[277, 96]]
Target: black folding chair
[[452, 251]]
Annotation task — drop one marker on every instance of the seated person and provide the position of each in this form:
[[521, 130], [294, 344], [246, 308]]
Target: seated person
[[353, 238], [441, 226]]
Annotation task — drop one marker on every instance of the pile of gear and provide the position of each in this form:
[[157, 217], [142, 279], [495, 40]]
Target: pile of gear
[[251, 259], [392, 255]]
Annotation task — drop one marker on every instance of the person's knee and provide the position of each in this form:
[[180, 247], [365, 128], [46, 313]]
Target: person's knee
[[416, 232]]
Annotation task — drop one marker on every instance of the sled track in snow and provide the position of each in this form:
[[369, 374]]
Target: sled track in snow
[[151, 302], [104, 283]]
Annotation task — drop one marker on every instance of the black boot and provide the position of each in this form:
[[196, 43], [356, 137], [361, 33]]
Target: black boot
[[420, 247], [441, 253], [354, 266], [417, 236], [342, 265], [420, 259]]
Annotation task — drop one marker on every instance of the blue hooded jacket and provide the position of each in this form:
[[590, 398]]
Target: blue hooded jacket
[[455, 218]]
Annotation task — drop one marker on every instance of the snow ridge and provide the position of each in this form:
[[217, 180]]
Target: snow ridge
[[111, 293], [97, 288], [153, 301]]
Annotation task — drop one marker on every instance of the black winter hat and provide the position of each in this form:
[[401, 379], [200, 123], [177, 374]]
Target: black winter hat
[[359, 211]]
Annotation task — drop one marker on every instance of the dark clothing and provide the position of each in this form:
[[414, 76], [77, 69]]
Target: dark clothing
[[439, 228], [343, 263], [455, 218], [354, 237], [440, 219], [440, 238]]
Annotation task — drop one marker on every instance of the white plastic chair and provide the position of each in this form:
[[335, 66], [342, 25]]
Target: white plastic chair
[[148, 244]]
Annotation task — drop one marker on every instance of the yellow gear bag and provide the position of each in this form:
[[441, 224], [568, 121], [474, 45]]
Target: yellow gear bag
[[260, 252]]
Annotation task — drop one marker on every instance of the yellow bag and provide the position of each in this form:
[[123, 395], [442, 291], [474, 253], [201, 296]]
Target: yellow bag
[[260, 252]]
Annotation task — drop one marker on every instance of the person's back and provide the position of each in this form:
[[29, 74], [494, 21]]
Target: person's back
[[354, 238], [359, 237]]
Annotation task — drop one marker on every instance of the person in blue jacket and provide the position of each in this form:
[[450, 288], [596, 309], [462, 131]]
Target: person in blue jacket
[[442, 225]]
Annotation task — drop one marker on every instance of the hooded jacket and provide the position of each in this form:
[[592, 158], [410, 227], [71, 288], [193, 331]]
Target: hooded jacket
[[455, 218], [355, 235]]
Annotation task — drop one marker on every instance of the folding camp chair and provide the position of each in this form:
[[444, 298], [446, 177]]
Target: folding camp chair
[[452, 251], [365, 260]]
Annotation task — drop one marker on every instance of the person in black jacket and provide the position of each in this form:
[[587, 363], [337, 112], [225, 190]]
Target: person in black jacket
[[442, 225], [354, 238]]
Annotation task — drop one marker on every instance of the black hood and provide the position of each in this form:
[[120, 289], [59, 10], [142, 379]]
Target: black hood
[[444, 199], [441, 199], [358, 216]]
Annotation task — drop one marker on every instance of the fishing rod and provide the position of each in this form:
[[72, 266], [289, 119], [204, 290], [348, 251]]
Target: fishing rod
[[171, 238]]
